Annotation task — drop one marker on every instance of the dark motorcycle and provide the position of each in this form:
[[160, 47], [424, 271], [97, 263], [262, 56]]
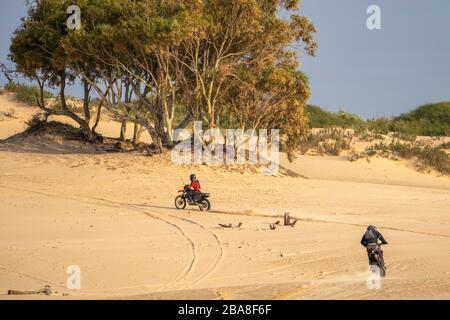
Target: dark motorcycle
[[373, 253], [185, 198]]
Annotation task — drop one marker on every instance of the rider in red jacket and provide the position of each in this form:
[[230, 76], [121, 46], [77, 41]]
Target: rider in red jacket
[[195, 187], [195, 184]]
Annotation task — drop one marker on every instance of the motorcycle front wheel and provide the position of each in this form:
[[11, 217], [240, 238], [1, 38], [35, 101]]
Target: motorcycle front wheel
[[204, 205], [180, 202]]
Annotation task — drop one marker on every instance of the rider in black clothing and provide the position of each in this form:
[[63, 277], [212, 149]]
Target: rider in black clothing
[[371, 237]]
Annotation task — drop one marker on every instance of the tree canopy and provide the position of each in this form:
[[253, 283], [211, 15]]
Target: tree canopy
[[227, 62]]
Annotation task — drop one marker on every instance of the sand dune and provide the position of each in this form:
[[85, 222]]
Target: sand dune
[[113, 216]]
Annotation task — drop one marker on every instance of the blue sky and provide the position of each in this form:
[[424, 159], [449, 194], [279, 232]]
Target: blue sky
[[369, 72]]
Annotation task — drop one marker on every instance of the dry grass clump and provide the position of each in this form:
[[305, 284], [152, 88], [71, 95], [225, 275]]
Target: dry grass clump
[[39, 125], [10, 113], [368, 135], [445, 146], [427, 156], [26, 93], [330, 141]]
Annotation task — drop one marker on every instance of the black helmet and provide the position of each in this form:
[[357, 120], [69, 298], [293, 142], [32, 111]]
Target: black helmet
[[192, 177], [371, 227]]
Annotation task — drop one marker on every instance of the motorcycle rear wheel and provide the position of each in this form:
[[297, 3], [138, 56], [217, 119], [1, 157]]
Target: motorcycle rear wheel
[[378, 266], [180, 202], [204, 205], [382, 271]]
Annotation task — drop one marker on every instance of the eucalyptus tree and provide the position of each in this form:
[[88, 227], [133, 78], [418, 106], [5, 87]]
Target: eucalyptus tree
[[37, 52], [131, 45], [228, 62], [246, 66]]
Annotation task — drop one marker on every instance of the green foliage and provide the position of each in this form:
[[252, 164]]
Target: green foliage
[[26, 93], [184, 59], [426, 120], [224, 62], [331, 141], [382, 125], [319, 118], [434, 157], [36, 44]]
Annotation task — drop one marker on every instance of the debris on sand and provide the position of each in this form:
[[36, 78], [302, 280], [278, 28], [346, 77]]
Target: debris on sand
[[288, 221], [230, 226], [293, 223], [47, 290], [273, 226], [287, 255]]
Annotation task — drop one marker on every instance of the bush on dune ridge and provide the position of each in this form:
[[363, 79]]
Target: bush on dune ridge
[[330, 141], [26, 93], [429, 156], [427, 120], [319, 118]]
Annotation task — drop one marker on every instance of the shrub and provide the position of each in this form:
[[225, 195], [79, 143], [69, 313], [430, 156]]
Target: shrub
[[433, 157], [380, 125], [72, 107], [436, 158], [368, 135], [445, 145], [35, 123], [427, 120], [26, 93], [330, 141], [319, 118]]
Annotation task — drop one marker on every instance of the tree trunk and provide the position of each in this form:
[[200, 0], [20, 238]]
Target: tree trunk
[[123, 130], [84, 125], [86, 102], [156, 139], [169, 134], [87, 132], [137, 133], [186, 121], [97, 120]]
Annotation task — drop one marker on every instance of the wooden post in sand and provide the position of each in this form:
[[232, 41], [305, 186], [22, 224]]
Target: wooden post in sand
[[287, 219]]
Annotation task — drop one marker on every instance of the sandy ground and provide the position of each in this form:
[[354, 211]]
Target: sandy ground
[[113, 216]]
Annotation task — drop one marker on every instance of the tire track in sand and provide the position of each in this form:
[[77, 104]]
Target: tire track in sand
[[216, 240], [102, 202], [193, 255], [217, 260]]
